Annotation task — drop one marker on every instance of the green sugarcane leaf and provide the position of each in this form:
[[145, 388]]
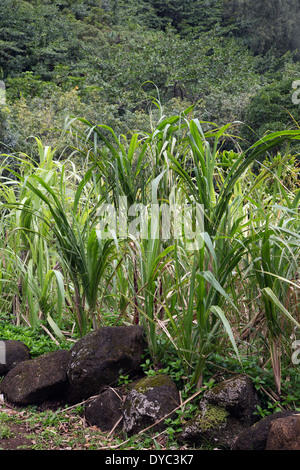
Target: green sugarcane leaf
[[208, 275], [219, 313], [270, 294], [55, 328]]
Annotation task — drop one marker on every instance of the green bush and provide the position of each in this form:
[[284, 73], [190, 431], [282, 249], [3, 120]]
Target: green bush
[[271, 109]]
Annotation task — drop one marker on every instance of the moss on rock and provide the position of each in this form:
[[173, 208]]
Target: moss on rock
[[150, 400], [212, 426], [213, 417]]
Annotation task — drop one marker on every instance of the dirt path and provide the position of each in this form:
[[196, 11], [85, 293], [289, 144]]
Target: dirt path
[[17, 439], [13, 436]]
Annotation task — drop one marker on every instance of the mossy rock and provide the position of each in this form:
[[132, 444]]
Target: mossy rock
[[213, 427], [255, 437], [14, 352], [105, 410], [237, 395], [36, 380], [99, 358], [150, 401]]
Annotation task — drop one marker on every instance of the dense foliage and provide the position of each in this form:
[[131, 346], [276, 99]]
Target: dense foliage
[[92, 59], [174, 100]]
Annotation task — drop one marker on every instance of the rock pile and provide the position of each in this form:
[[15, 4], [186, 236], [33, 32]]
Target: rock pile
[[90, 371], [94, 362]]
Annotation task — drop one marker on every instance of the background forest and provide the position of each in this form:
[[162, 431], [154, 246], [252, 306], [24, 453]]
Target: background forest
[[91, 58], [194, 99]]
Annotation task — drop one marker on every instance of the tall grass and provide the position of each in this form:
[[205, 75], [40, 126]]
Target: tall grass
[[188, 299]]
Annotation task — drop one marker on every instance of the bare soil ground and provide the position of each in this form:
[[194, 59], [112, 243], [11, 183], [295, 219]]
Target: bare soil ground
[[17, 440], [56, 428], [16, 435]]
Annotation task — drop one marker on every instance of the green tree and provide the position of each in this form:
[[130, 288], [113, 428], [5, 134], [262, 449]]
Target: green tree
[[37, 36], [271, 109], [263, 25]]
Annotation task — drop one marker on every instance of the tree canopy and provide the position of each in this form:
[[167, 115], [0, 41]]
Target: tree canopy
[[94, 58]]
